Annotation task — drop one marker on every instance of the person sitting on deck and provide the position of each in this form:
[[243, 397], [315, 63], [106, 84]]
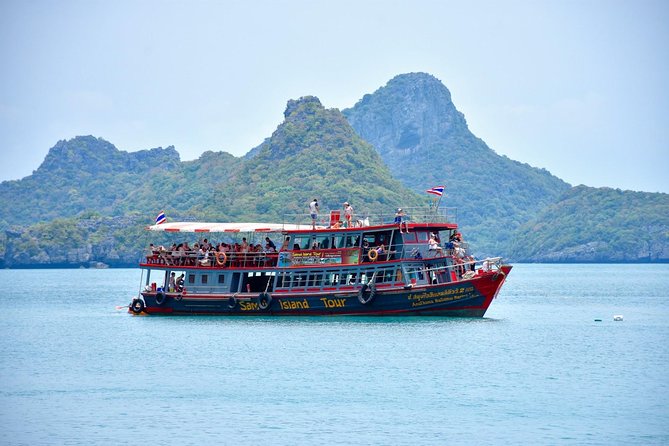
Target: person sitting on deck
[[434, 245], [203, 255], [152, 254]]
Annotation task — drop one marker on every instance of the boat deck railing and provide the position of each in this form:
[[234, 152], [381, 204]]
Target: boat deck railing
[[217, 259], [332, 218]]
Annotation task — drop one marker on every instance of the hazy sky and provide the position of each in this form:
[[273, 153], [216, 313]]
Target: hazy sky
[[580, 88]]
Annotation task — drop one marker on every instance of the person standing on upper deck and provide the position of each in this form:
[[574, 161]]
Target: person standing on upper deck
[[348, 213], [313, 210], [398, 219]]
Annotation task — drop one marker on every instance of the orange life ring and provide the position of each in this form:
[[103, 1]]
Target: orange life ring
[[373, 254], [218, 256]]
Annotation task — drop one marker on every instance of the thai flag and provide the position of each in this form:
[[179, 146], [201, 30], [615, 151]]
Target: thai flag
[[437, 190], [161, 218]]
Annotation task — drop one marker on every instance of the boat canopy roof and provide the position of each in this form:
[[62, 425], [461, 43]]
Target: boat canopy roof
[[193, 226]]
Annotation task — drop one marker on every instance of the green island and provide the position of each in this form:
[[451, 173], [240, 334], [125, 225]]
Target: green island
[[88, 203]]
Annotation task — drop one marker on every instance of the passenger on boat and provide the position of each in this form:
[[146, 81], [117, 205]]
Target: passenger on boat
[[203, 256], [337, 225], [165, 256], [152, 254], [188, 250], [313, 211], [399, 214], [348, 213], [434, 245], [172, 286], [180, 283], [180, 257], [286, 244], [270, 244]]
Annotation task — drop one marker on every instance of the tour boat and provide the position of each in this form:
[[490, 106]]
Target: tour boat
[[380, 265]]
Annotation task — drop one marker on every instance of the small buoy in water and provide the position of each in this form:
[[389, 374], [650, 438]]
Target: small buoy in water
[[617, 317]]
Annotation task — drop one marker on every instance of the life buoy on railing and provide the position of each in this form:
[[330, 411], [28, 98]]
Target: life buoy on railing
[[219, 255], [160, 298], [367, 293], [264, 301], [373, 254], [137, 305]]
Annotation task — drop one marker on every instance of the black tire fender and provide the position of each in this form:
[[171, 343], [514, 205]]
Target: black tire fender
[[367, 294], [264, 301], [160, 298], [137, 305]]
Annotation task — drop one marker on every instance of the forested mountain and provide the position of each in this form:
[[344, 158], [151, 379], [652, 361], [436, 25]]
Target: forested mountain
[[88, 202], [425, 141], [90, 174], [313, 153], [597, 225]]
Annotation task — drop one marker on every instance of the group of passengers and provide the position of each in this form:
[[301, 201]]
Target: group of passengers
[[206, 253]]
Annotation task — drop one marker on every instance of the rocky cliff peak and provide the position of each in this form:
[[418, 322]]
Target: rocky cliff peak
[[407, 114]]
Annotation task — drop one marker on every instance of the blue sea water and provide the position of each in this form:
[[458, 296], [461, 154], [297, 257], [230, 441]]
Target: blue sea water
[[538, 369]]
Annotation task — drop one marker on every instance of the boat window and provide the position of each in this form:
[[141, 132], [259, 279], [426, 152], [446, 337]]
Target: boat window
[[300, 242], [285, 279], [410, 237], [204, 278], [338, 241], [332, 279], [291, 279], [221, 278], [191, 278], [315, 279], [377, 238], [423, 236], [369, 238]]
